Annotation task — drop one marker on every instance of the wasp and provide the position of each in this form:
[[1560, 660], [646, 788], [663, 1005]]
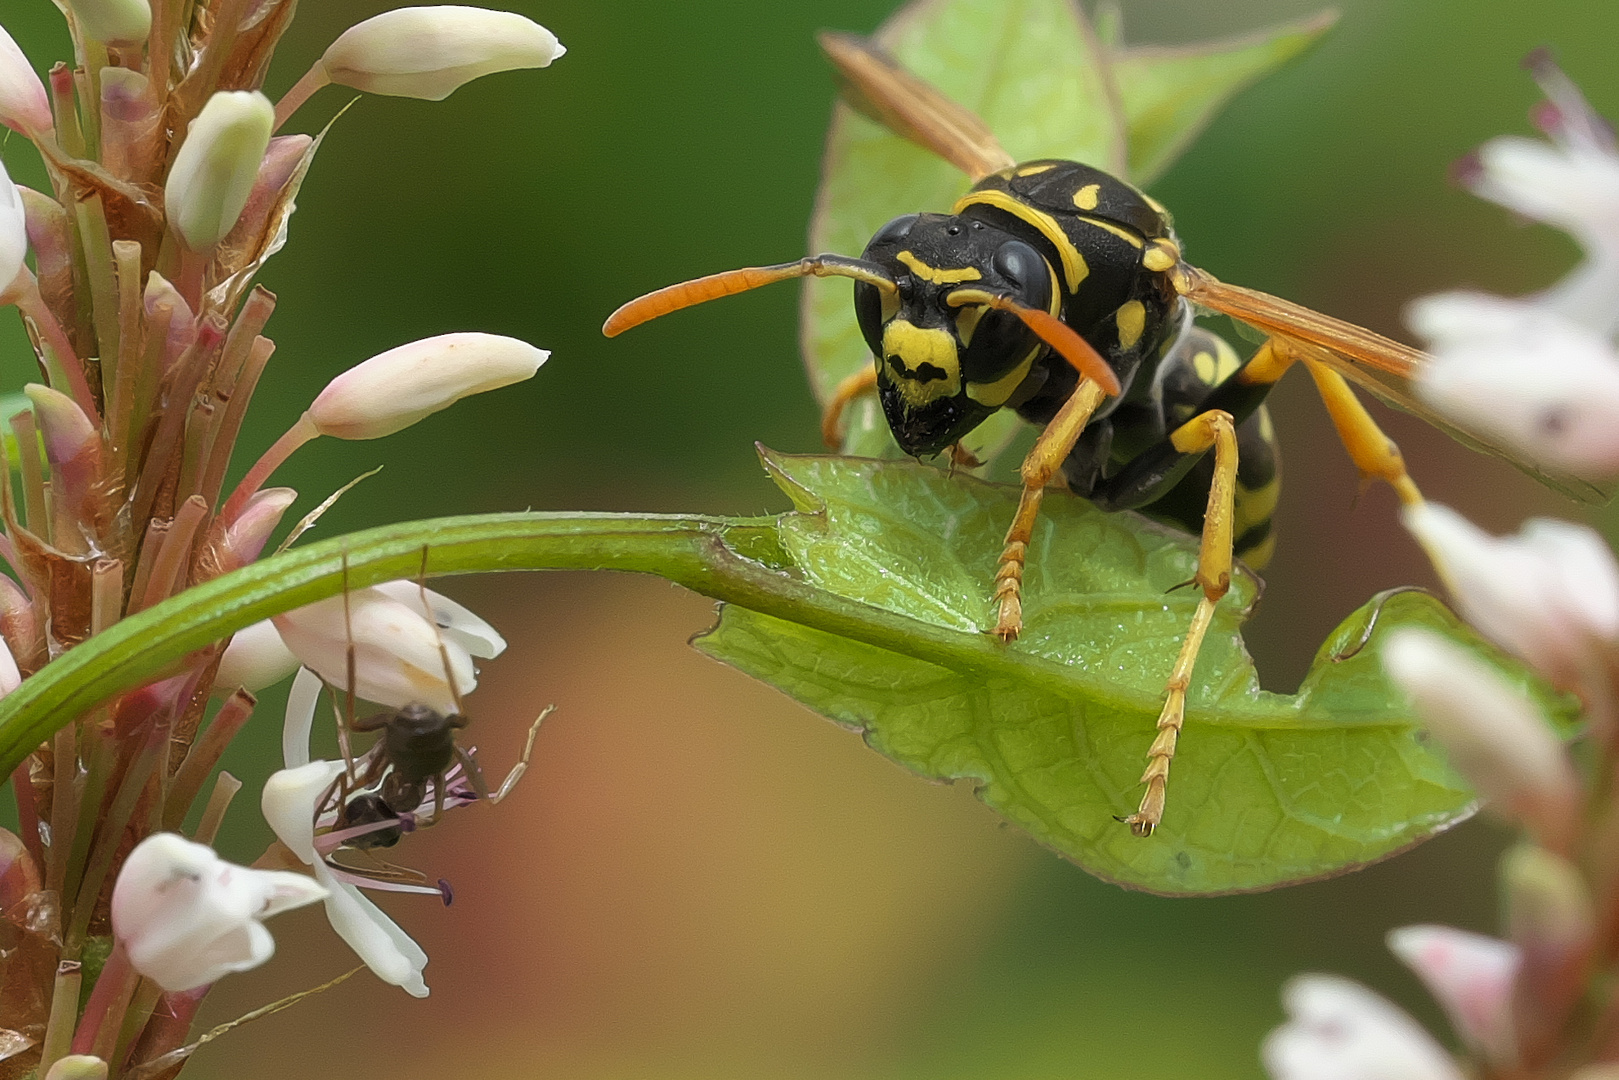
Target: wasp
[[1059, 291]]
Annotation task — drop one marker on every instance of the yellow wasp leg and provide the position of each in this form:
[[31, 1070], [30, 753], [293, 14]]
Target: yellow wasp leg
[[861, 382], [1373, 452], [1050, 450], [1215, 429]]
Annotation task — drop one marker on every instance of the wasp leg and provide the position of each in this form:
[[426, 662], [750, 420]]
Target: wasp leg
[[860, 383], [1050, 450], [1215, 430], [1373, 452]]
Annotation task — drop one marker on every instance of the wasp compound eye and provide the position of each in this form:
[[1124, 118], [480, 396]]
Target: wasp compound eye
[[1026, 271]]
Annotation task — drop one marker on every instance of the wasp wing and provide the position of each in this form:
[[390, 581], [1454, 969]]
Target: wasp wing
[[1384, 368], [878, 87]]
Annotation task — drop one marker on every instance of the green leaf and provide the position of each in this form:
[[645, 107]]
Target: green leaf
[[1170, 94], [1266, 788], [868, 602], [1034, 71]]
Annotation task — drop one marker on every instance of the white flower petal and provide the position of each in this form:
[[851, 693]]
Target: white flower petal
[[186, 917], [288, 803], [1339, 1030], [13, 232], [376, 939], [302, 700], [24, 105], [455, 622], [254, 659], [398, 658]]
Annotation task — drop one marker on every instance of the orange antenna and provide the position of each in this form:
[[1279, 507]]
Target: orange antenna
[[700, 290], [1051, 330]]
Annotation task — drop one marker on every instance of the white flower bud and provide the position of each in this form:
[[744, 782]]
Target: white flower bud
[[24, 105], [213, 173], [398, 658], [1470, 975], [289, 804], [1549, 594], [427, 52], [78, 1067], [187, 917], [393, 390], [255, 658], [1492, 733], [1339, 1030], [13, 233], [113, 20]]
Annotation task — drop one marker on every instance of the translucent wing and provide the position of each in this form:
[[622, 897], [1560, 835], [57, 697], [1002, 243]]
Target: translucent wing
[[1382, 367], [903, 103]]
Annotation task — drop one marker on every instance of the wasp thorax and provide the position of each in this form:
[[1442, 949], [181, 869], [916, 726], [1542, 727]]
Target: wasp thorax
[[945, 359]]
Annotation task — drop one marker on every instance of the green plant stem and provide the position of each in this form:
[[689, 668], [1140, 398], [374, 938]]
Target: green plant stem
[[706, 555]]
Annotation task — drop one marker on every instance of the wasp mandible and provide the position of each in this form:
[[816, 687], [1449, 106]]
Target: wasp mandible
[[1057, 290]]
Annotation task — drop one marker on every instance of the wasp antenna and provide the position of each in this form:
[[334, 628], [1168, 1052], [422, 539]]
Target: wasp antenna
[[1053, 331], [714, 286]]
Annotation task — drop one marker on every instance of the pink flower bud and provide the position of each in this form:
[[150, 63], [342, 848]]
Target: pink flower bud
[[73, 447], [1339, 1030], [427, 52], [1550, 594], [182, 324], [251, 530], [19, 877], [393, 390], [13, 233], [24, 105], [1492, 733], [1470, 975], [397, 656], [214, 171], [187, 917], [255, 658], [113, 20]]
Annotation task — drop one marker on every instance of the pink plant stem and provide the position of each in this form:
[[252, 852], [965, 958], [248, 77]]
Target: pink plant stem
[[104, 1012], [33, 306], [27, 813], [292, 439], [302, 91]]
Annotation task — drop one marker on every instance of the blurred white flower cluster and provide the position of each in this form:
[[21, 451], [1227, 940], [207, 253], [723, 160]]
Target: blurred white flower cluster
[[1541, 374]]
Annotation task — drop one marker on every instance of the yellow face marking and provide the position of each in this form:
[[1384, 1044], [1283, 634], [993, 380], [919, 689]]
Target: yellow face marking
[[967, 322], [1226, 361], [1036, 170], [995, 393], [906, 348], [935, 275], [1203, 364], [1132, 319], [1085, 197], [1267, 430], [1122, 233], [890, 305], [1074, 269], [1161, 255]]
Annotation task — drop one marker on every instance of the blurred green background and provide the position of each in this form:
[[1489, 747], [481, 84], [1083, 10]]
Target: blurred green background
[[697, 878]]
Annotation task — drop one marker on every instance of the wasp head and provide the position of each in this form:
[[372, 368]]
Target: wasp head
[[944, 365]]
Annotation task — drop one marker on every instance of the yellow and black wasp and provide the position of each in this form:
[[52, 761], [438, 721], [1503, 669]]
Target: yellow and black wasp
[[1057, 290]]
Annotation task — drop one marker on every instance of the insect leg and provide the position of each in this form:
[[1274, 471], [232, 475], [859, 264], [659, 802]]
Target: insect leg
[[1373, 452], [860, 383], [521, 767], [1049, 452], [1213, 429]]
